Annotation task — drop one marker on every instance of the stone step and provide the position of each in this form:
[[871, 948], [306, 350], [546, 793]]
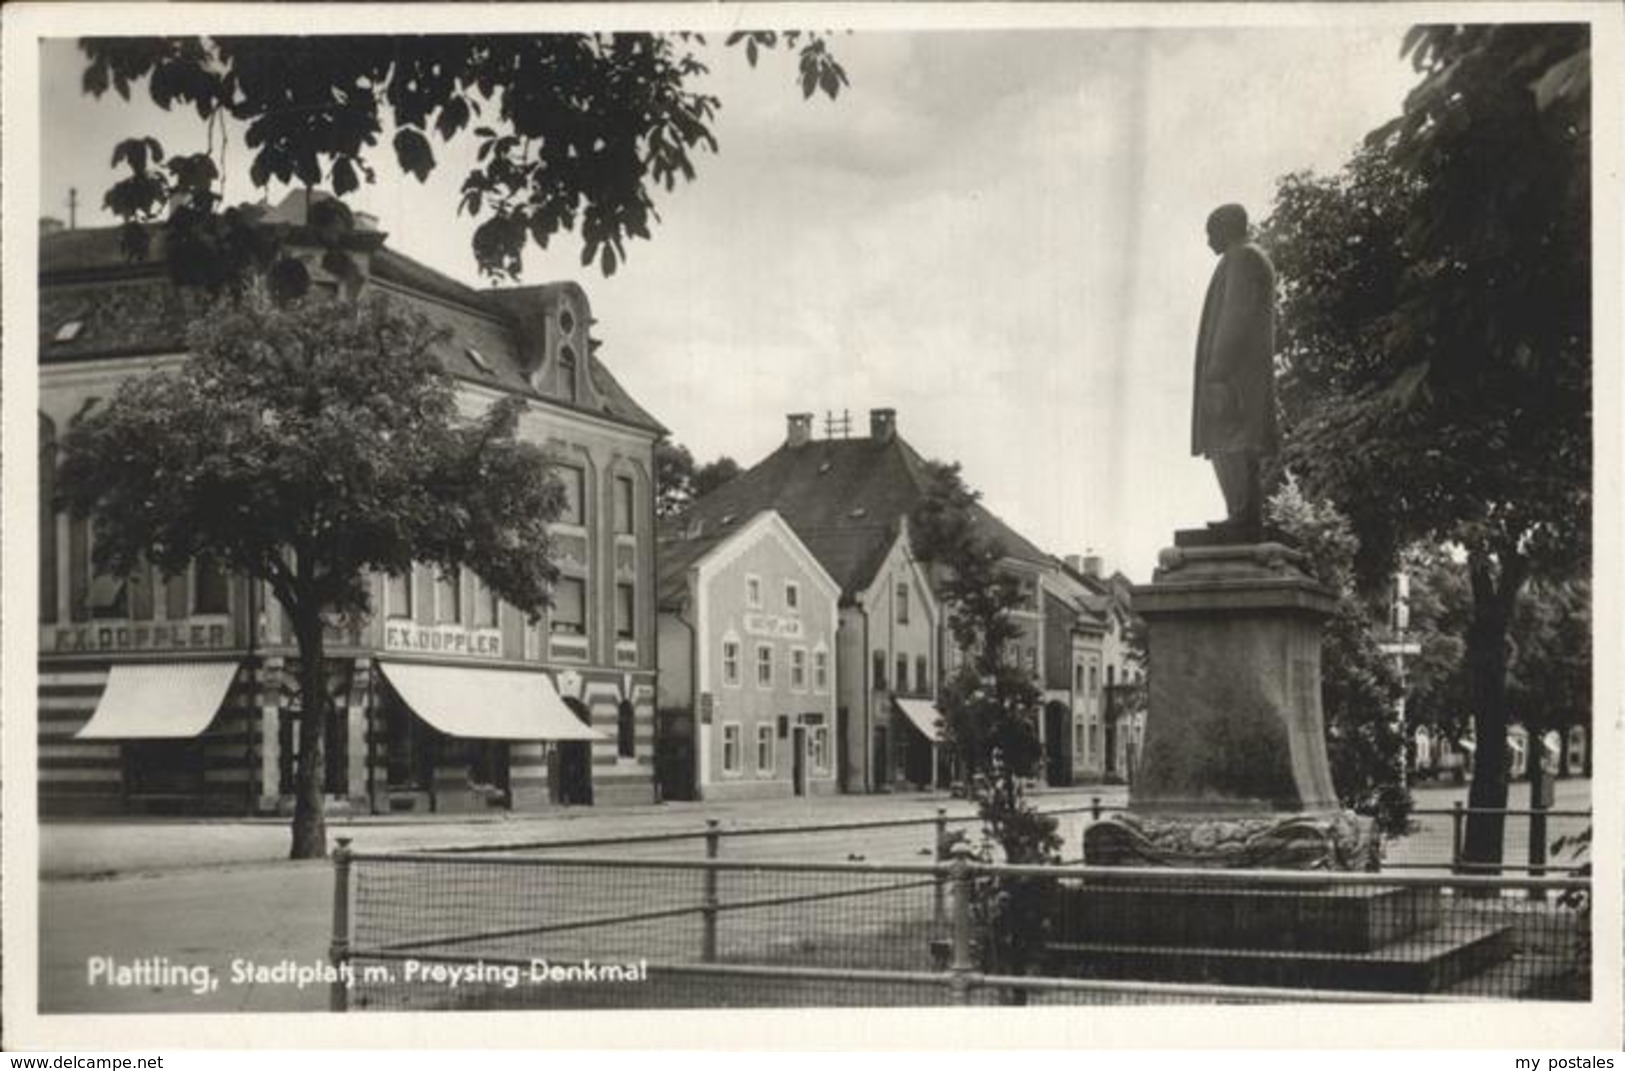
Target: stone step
[[1349, 919], [1431, 962]]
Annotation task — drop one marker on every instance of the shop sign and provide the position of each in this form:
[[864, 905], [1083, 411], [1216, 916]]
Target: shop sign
[[146, 636], [442, 640], [784, 628]]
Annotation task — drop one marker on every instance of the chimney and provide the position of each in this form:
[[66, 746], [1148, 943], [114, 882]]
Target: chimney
[[800, 429], [49, 225], [1092, 565], [883, 425], [1074, 562]]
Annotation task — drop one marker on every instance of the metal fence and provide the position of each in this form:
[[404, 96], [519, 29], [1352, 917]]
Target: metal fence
[[1433, 842], [517, 930]]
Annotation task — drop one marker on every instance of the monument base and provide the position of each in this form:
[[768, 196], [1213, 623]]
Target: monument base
[[1334, 840]]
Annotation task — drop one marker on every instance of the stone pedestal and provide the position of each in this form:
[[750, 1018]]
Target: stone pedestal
[[1234, 770]]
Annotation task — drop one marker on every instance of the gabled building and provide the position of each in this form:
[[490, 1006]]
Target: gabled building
[[848, 500], [179, 695], [748, 664]]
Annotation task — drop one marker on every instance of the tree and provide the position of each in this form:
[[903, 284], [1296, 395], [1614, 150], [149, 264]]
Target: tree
[[989, 716], [713, 474], [674, 478], [573, 131], [307, 448], [679, 481], [1436, 339], [1359, 685]]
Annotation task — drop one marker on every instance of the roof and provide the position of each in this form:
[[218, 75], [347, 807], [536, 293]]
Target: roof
[[130, 309], [844, 498]]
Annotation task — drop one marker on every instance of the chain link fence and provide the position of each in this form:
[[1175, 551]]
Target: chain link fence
[[536, 930]]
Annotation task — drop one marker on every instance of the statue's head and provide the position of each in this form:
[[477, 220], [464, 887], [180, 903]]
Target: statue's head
[[1226, 226]]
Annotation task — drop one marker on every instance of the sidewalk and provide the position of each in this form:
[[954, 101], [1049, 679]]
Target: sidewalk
[[121, 847]]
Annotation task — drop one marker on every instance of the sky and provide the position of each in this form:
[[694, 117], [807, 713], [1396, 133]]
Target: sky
[[998, 233]]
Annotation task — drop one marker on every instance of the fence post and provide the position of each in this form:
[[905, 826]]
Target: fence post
[[961, 963], [708, 910], [939, 909], [1094, 808], [1457, 833], [1539, 803], [338, 951]]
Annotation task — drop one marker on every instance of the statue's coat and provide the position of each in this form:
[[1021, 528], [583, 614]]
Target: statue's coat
[[1234, 406]]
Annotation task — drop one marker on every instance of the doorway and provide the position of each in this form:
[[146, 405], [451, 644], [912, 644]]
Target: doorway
[[570, 768], [798, 759], [1057, 757]]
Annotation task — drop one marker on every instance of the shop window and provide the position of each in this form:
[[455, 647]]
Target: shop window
[[570, 607]]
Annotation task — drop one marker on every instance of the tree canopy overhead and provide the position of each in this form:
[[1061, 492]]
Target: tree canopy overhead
[[572, 131]]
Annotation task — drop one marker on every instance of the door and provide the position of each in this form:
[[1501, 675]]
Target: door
[[572, 762], [674, 755], [1057, 759], [882, 759], [798, 759]]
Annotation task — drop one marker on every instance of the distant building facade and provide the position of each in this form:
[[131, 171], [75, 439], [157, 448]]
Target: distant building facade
[[848, 499], [179, 695], [748, 664]]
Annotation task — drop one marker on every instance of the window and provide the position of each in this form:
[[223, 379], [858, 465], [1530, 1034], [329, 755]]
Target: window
[[798, 668], [109, 596], [567, 373], [1094, 680], [820, 747], [922, 675], [398, 594], [730, 748], [902, 604], [448, 597], [486, 612], [880, 671], [1032, 660], [625, 603], [1077, 677], [792, 596], [626, 730], [764, 749], [730, 662], [211, 594], [574, 479], [901, 684], [624, 501], [570, 606], [821, 670], [764, 665], [1078, 753], [753, 592]]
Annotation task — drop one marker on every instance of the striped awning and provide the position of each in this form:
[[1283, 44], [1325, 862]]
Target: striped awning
[[489, 704], [923, 714], [159, 700]]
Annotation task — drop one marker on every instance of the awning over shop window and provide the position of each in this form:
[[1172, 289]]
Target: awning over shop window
[[492, 704], [923, 714], [159, 700]]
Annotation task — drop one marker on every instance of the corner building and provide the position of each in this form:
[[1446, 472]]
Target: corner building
[[180, 695]]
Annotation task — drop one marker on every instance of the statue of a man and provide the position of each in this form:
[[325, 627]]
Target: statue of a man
[[1233, 413]]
